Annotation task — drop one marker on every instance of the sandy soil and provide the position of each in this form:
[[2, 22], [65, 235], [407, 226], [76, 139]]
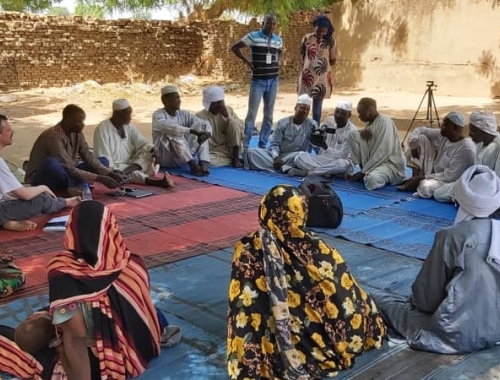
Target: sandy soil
[[37, 109]]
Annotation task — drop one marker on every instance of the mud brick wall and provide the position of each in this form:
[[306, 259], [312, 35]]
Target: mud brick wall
[[220, 35], [56, 51], [380, 46]]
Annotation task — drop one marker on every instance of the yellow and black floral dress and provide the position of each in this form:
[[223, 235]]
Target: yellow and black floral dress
[[295, 311]]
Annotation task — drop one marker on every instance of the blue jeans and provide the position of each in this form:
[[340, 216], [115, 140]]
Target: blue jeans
[[317, 108], [162, 319], [53, 175], [261, 89]]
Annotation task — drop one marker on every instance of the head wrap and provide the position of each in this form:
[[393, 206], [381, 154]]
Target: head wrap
[[477, 193], [211, 95], [120, 104], [456, 118], [97, 266], [485, 121], [323, 21], [345, 105], [304, 99], [169, 89]]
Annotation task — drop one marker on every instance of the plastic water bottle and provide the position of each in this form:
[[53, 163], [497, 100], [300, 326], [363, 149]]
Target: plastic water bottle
[[86, 193]]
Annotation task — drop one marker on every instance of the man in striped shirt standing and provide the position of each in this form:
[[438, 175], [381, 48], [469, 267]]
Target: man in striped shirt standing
[[265, 57]]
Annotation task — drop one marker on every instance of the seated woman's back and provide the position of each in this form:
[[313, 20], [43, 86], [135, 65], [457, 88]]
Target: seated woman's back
[[294, 308], [100, 301]]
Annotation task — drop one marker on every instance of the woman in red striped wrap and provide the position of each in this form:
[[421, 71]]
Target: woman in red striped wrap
[[107, 326], [100, 301]]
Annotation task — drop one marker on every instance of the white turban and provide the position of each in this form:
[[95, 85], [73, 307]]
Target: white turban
[[169, 89], [477, 193], [120, 104], [304, 99], [485, 121], [212, 95], [345, 105]]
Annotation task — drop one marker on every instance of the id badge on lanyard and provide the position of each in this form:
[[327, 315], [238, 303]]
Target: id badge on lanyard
[[269, 56]]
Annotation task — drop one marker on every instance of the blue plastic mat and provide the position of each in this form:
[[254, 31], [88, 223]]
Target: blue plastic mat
[[386, 218], [193, 292], [407, 228], [355, 197]]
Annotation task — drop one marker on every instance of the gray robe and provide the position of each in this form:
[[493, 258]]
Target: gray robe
[[455, 305], [287, 142]]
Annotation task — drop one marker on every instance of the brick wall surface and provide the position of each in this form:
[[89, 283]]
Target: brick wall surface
[[380, 46], [56, 51]]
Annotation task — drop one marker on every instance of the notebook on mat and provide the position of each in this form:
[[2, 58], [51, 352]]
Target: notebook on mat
[[131, 192], [56, 224]]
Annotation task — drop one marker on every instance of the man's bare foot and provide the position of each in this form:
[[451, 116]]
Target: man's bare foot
[[357, 177], [237, 163], [195, 169], [204, 167], [166, 182], [73, 201], [19, 226], [74, 192], [410, 184], [403, 186]]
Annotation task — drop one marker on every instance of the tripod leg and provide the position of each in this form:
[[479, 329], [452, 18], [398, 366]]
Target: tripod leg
[[429, 107], [414, 118], [435, 109]]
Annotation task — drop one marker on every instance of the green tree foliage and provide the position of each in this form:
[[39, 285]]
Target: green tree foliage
[[27, 5], [211, 9], [193, 8], [90, 9], [58, 11]]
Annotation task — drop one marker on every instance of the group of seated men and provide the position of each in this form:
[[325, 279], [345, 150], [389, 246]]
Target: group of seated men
[[61, 160]]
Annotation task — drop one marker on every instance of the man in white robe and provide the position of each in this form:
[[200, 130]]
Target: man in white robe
[[290, 137], [438, 156], [483, 130], [227, 128], [376, 149], [126, 149], [179, 136], [334, 156], [453, 308]]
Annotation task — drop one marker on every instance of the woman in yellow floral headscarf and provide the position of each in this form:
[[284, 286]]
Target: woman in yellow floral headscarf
[[295, 311]]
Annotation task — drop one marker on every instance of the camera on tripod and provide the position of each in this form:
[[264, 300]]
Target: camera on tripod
[[432, 113]]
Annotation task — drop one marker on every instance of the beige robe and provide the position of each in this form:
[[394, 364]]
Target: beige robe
[[381, 157], [226, 134], [122, 152]]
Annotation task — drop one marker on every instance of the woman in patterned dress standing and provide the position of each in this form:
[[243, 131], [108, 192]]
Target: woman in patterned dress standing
[[319, 53]]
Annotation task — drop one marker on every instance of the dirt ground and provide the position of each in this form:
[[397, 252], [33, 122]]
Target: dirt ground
[[33, 110]]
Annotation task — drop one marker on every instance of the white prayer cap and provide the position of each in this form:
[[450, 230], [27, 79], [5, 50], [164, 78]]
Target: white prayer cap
[[345, 105], [456, 118], [485, 121], [304, 99], [120, 104], [477, 193], [169, 89], [211, 95]]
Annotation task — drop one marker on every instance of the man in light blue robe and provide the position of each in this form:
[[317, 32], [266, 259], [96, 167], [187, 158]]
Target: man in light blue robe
[[290, 137]]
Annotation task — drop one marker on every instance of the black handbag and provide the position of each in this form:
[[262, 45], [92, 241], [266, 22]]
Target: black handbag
[[325, 206]]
